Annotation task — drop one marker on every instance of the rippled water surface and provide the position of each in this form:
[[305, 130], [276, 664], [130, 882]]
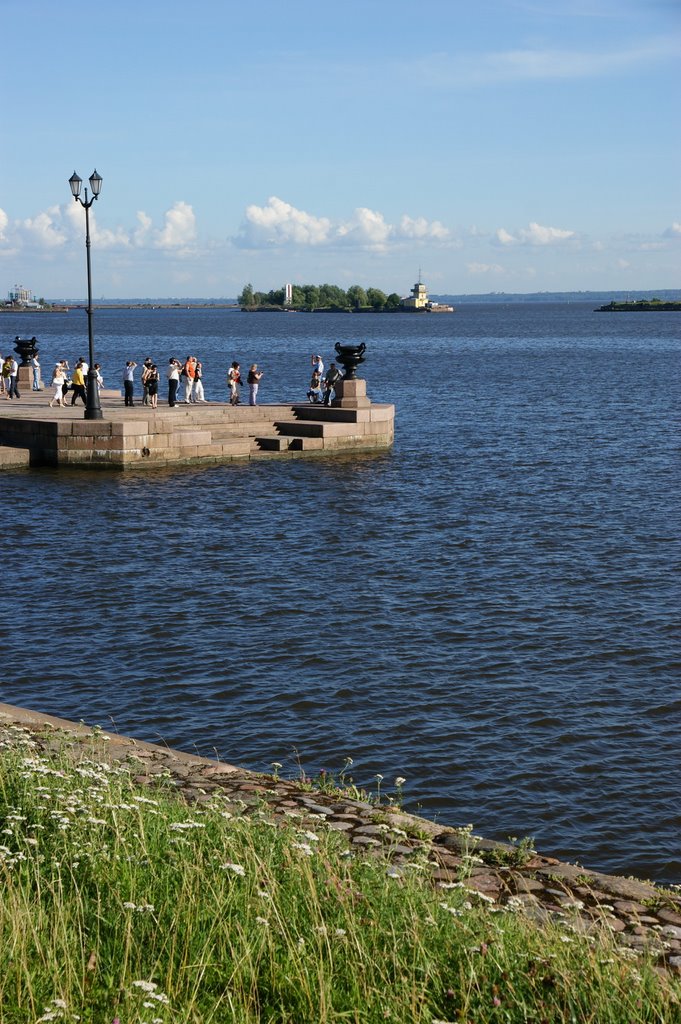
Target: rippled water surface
[[490, 610]]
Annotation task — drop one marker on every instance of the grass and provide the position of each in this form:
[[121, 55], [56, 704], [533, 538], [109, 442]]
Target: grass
[[121, 902]]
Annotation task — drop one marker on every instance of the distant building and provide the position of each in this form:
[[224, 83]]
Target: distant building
[[418, 300], [288, 294], [20, 296]]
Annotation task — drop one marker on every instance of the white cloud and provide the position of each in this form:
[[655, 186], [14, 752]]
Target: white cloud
[[45, 230], [365, 228], [279, 223], [504, 238], [56, 228], [141, 232], [534, 234], [461, 70], [422, 228], [672, 232], [179, 231], [485, 268]]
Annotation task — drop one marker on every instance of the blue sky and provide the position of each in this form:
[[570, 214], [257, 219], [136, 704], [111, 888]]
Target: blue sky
[[501, 145]]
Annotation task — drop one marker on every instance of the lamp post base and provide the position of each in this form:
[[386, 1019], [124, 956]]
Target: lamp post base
[[93, 408]]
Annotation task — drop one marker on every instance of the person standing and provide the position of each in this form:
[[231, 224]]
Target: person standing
[[129, 382], [13, 371], [189, 372], [152, 385], [6, 367], [254, 376], [234, 382], [198, 383], [146, 366], [173, 375], [332, 377], [318, 365], [35, 366], [78, 384]]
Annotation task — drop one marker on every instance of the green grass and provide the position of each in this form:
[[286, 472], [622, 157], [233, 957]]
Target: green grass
[[121, 902]]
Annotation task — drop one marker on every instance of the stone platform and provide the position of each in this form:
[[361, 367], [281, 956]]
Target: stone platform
[[643, 918], [33, 434]]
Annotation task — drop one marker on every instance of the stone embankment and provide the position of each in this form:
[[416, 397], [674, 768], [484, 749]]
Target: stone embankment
[[141, 438], [642, 917]]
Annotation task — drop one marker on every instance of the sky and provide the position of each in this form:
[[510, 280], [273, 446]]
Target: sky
[[489, 145]]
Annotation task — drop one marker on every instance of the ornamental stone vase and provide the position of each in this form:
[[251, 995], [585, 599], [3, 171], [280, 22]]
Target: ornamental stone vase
[[350, 356], [26, 348]]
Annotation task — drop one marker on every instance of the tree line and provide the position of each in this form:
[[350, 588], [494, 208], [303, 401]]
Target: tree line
[[321, 296]]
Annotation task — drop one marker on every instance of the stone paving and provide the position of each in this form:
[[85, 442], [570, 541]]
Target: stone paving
[[641, 916]]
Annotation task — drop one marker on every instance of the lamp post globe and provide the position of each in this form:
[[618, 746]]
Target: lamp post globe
[[93, 409]]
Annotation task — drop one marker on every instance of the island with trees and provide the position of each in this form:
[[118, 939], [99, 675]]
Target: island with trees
[[313, 298], [641, 306]]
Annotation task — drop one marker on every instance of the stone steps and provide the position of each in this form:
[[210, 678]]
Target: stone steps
[[14, 458]]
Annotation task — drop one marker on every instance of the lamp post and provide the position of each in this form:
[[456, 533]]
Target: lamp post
[[93, 409]]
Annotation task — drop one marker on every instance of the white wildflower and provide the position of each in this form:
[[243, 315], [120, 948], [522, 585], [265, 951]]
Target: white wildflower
[[236, 868], [304, 848]]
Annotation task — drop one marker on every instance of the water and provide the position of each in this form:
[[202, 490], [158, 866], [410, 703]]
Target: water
[[490, 610]]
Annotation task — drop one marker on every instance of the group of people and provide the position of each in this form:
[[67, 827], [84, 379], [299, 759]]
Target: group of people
[[8, 378], [322, 387], [189, 373], [64, 380], [234, 382]]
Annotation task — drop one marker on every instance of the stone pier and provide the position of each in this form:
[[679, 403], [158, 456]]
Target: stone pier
[[33, 434]]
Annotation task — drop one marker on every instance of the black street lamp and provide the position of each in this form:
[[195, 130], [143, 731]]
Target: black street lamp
[[93, 409]]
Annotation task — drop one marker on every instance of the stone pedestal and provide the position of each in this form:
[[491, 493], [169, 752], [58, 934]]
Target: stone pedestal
[[25, 379], [351, 394]]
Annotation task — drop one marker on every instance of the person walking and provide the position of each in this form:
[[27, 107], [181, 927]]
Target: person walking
[[78, 384], [173, 375], [58, 378], [129, 382], [253, 380], [65, 386]]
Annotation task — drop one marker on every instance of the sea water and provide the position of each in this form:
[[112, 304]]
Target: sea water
[[490, 610]]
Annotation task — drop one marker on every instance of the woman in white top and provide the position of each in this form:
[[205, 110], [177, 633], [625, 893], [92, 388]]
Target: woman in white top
[[58, 379]]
